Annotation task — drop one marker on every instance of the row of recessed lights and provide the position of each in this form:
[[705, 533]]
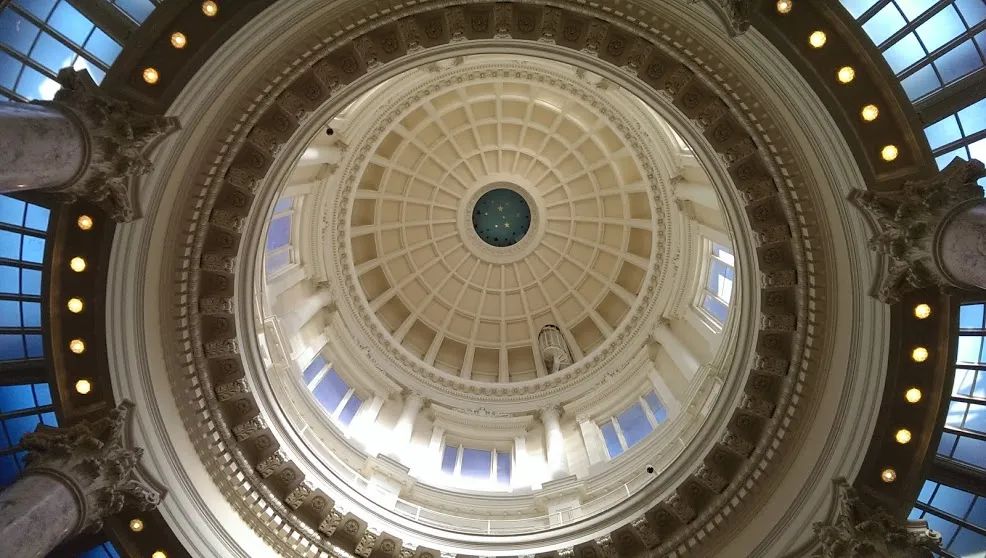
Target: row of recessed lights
[[912, 395], [76, 305], [845, 75], [137, 525], [179, 41], [83, 386]]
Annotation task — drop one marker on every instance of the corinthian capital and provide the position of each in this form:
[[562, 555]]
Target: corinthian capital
[[860, 530], [909, 221], [117, 138], [95, 462]]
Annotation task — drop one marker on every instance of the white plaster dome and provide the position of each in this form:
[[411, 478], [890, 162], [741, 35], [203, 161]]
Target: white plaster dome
[[417, 336], [475, 310]]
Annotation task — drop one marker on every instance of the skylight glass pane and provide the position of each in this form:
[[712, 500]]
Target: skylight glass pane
[[612, 439], [858, 7], [940, 29], [449, 456], [16, 31], [904, 53], [12, 211], [971, 316], [71, 23], [330, 391], [37, 8], [716, 308], [914, 8], [943, 132], [885, 23], [634, 424], [476, 463]]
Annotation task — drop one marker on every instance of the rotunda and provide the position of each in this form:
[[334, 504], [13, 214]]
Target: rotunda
[[422, 279]]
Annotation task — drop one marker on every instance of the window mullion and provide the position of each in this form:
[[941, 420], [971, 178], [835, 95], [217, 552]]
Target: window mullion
[[915, 23], [934, 55]]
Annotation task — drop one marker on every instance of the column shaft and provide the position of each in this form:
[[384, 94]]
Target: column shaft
[[40, 147], [37, 513], [554, 442], [962, 245], [592, 437], [679, 353], [405, 423]]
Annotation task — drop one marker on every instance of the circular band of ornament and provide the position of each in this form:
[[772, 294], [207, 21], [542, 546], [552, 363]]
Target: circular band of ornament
[[645, 54]]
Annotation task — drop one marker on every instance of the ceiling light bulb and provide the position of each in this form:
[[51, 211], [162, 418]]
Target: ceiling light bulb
[[159, 554], [210, 8], [888, 475], [178, 39], [817, 39], [784, 6], [919, 354], [889, 153], [136, 525], [870, 113], [77, 264], [922, 311], [84, 222], [912, 395], [83, 387], [75, 305], [77, 346], [846, 74], [150, 76], [903, 436]]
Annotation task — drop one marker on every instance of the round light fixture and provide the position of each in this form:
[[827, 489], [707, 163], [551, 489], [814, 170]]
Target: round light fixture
[[888, 475], [136, 525], [919, 354], [870, 113], [84, 222], [150, 76], [922, 311], [75, 305], [846, 74], [159, 554], [817, 39], [903, 436], [912, 395], [77, 346], [784, 6], [83, 387], [178, 39], [889, 152], [77, 264], [210, 8]]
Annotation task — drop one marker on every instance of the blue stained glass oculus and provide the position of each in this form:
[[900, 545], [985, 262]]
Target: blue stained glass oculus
[[501, 217]]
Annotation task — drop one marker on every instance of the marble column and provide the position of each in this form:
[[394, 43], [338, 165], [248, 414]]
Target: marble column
[[75, 478], [40, 147], [554, 441], [679, 353], [961, 247], [931, 231], [83, 144], [413, 403], [592, 437]]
